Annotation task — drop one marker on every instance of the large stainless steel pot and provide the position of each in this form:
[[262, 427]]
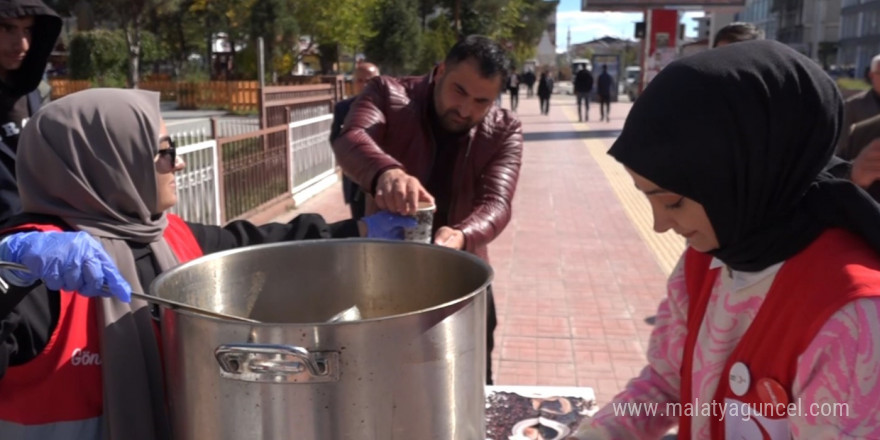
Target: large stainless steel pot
[[413, 368]]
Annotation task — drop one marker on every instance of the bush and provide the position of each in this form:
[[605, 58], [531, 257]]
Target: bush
[[98, 55], [101, 56]]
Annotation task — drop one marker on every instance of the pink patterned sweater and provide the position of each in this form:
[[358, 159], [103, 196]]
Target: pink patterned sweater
[[839, 371]]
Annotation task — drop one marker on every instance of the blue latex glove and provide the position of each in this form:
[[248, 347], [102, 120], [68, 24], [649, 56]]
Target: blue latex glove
[[387, 225], [71, 261]]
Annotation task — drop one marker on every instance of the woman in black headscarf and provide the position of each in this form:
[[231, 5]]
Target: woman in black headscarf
[[771, 324]]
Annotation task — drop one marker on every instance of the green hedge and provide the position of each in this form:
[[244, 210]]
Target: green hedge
[[101, 56]]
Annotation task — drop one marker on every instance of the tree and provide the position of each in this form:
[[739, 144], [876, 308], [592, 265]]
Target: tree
[[426, 8], [99, 55], [532, 23], [515, 24], [131, 15], [342, 23], [274, 20], [180, 32], [436, 42], [230, 17], [395, 46]]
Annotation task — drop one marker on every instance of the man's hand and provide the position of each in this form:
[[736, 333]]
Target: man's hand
[[386, 225], [400, 193], [866, 166], [448, 237]]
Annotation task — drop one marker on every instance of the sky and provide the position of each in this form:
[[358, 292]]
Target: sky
[[586, 26]]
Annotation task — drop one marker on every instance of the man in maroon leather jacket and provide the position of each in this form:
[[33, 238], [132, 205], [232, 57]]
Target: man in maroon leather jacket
[[439, 138]]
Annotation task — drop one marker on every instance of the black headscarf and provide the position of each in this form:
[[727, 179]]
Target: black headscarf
[[748, 130]]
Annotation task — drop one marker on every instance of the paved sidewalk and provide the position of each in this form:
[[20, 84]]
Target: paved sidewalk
[[579, 272]]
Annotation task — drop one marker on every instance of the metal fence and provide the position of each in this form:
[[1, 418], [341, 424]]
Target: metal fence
[[246, 168], [189, 131], [255, 171], [198, 186], [235, 125], [310, 151]]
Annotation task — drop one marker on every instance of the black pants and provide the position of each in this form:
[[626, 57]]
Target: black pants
[[358, 206], [545, 104], [491, 323], [605, 106], [514, 98], [583, 98], [354, 197]]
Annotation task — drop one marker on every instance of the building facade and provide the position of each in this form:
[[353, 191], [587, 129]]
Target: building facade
[[859, 34], [759, 13]]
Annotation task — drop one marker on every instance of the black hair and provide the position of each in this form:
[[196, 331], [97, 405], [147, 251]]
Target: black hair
[[736, 32], [490, 57]]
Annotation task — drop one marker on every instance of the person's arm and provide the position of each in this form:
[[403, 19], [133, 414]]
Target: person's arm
[[10, 202], [357, 150], [866, 165], [28, 317], [658, 384], [836, 383], [244, 233], [494, 195], [340, 110], [31, 308], [845, 129]]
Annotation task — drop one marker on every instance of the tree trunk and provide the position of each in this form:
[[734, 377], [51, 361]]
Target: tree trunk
[[457, 22], [133, 38]]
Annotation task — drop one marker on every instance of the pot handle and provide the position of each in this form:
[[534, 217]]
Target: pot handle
[[276, 363]]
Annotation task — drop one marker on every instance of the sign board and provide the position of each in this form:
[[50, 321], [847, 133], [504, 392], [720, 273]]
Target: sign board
[[661, 41], [641, 5], [640, 30]]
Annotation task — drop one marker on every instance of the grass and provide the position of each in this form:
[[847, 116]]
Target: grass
[[852, 84]]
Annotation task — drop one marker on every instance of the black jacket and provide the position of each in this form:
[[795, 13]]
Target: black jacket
[[29, 315], [583, 82], [350, 190], [21, 82]]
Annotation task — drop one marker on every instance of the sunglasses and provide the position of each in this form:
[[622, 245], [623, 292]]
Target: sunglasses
[[170, 152]]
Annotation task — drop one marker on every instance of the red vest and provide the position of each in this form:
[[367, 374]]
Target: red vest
[[835, 269], [63, 383]]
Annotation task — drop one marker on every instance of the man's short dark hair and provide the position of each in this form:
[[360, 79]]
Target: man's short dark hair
[[490, 57], [736, 32]]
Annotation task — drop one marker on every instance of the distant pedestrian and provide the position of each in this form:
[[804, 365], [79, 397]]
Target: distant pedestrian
[[529, 79], [583, 85], [513, 89], [545, 89], [603, 89]]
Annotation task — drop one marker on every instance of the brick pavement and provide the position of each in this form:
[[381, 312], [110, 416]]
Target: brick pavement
[[578, 269]]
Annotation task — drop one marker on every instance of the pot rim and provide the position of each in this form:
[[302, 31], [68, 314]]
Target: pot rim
[[154, 286]]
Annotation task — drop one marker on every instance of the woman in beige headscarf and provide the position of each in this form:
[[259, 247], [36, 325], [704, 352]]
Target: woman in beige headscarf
[[85, 367]]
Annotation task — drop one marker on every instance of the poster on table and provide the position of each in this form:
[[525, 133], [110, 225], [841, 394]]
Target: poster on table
[[536, 412]]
